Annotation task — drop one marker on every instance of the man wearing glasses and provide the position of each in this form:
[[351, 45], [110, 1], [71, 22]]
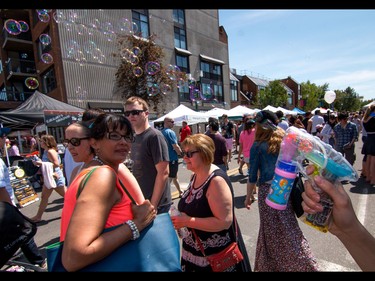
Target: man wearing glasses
[[150, 155], [174, 151]]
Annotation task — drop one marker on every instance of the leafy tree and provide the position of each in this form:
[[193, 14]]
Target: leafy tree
[[274, 94], [313, 95], [133, 78], [347, 100]]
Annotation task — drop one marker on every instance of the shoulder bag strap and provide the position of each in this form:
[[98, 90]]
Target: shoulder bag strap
[[127, 192]]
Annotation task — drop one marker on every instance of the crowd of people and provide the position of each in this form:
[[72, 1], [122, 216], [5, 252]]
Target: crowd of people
[[100, 143]]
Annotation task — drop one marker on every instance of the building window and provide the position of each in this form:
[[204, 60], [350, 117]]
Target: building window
[[211, 71], [211, 77], [179, 29], [43, 48], [183, 63], [179, 38], [179, 17], [233, 90], [49, 80], [140, 18]]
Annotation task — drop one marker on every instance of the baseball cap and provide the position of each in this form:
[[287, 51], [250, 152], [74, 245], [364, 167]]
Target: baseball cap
[[4, 131], [267, 119]]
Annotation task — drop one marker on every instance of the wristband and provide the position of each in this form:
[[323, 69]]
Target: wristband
[[133, 228]]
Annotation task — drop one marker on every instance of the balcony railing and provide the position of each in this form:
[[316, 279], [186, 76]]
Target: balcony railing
[[14, 96], [20, 66], [26, 36]]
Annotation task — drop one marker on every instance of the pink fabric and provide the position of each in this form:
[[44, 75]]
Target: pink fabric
[[119, 213], [247, 140]]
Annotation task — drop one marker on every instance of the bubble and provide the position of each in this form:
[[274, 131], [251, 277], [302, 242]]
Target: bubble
[[31, 83], [152, 67], [80, 58], [126, 54], [134, 60], [207, 93], [24, 26], [153, 90], [46, 58], [124, 26], [172, 71], [101, 59], [165, 88], [194, 94], [72, 48], [137, 71], [81, 29], [191, 83], [45, 39], [58, 17], [97, 54], [12, 26], [90, 46], [137, 51], [134, 28], [181, 82], [81, 94], [44, 17]]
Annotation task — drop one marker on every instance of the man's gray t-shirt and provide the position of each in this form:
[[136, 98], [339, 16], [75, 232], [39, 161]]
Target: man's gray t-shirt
[[148, 149]]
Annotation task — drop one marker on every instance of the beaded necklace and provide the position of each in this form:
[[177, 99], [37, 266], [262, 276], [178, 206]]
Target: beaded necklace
[[97, 159]]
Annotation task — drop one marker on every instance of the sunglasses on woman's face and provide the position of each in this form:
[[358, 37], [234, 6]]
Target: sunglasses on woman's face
[[189, 154], [74, 141]]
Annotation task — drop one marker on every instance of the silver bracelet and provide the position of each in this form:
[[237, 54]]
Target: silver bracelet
[[133, 228]]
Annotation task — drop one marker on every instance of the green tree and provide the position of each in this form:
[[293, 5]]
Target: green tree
[[313, 95], [274, 94], [347, 100], [134, 78]]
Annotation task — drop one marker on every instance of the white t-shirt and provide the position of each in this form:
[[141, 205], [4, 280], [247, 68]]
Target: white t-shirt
[[316, 120]]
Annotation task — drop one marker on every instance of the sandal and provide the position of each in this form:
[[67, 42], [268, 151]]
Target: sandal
[[240, 171]]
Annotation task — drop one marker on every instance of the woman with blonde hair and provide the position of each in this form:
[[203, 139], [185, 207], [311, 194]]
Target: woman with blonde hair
[[281, 245], [207, 209], [53, 177]]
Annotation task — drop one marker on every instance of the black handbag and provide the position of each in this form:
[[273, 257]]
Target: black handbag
[[296, 195]]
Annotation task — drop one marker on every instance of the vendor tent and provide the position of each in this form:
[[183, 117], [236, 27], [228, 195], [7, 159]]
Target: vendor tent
[[216, 112], [270, 108], [182, 113], [32, 110], [322, 110], [299, 111], [369, 104], [240, 111]]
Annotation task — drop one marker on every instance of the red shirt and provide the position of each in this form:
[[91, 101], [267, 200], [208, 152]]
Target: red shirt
[[185, 131]]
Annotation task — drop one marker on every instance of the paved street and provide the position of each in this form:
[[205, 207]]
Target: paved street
[[331, 254]]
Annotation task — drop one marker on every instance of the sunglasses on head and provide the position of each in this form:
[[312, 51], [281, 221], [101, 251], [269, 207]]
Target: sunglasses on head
[[133, 112], [189, 154], [74, 141]]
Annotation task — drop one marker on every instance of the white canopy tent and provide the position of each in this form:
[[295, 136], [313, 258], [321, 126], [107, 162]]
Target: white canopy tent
[[241, 110], [369, 104], [184, 113], [270, 108], [322, 110], [216, 112], [286, 111]]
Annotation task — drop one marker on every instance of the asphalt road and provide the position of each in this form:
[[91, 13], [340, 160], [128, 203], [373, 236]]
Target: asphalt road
[[331, 254]]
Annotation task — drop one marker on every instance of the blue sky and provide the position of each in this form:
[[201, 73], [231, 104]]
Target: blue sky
[[323, 46]]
